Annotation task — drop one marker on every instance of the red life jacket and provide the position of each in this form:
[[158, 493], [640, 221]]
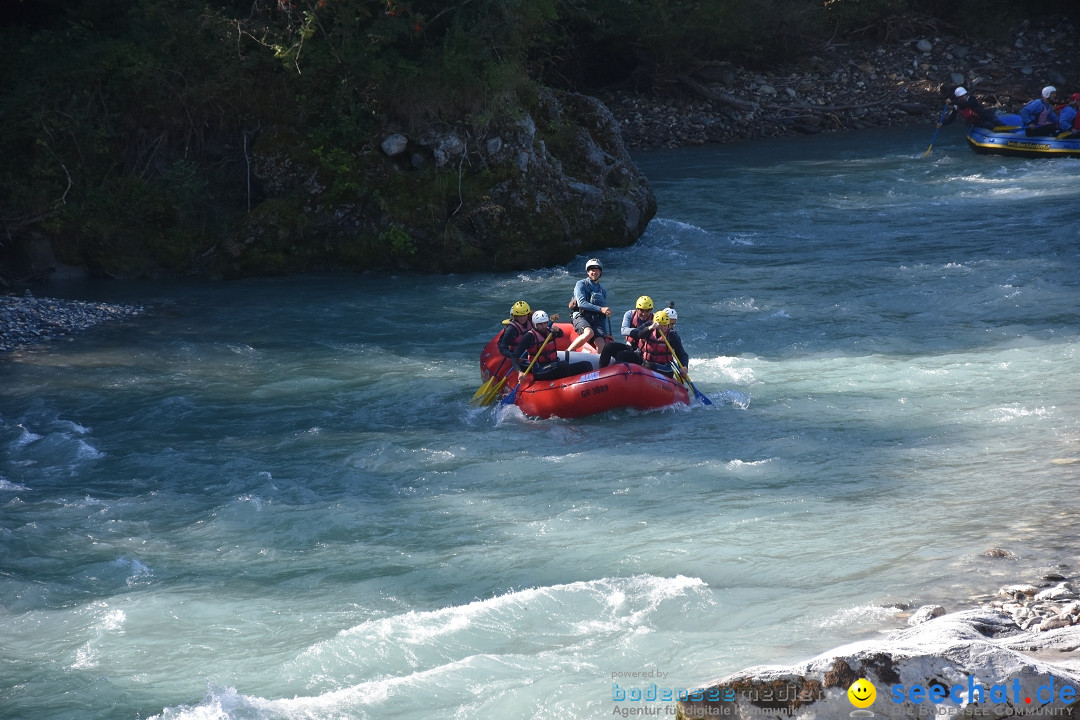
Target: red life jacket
[[636, 321], [513, 333], [550, 354], [655, 350]]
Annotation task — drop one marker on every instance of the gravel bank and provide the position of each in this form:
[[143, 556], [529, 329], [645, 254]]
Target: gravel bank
[[27, 321], [847, 87]]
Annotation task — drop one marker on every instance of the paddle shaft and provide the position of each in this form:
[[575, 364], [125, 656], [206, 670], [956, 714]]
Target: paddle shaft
[[941, 119], [685, 376], [509, 399]]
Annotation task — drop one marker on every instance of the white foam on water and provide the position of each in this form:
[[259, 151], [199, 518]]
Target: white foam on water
[[8, 486], [312, 521]]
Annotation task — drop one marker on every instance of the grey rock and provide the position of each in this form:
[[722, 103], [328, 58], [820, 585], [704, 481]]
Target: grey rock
[[394, 145], [449, 148], [925, 614], [1062, 591], [1054, 623], [972, 644], [1025, 589]]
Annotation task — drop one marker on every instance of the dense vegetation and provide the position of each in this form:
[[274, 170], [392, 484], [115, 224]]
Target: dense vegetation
[[128, 123]]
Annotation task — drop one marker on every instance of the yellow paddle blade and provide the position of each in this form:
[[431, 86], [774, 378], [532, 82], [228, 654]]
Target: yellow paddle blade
[[493, 393], [482, 391]]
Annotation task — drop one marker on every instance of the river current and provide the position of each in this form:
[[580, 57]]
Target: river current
[[271, 499]]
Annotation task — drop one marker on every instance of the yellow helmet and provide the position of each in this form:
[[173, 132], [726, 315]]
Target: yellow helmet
[[520, 309], [661, 318], [644, 303]]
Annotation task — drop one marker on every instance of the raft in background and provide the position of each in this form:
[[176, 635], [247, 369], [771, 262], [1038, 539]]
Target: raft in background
[[1017, 143], [619, 385]]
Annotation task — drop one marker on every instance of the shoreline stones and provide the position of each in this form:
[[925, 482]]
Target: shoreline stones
[[28, 321], [1021, 640], [974, 663], [892, 84], [1032, 608]]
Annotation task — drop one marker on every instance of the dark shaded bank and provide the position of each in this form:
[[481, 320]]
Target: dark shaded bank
[[445, 160], [850, 87]]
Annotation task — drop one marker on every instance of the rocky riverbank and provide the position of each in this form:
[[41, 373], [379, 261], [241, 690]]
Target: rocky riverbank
[[891, 84], [1019, 646], [28, 321]]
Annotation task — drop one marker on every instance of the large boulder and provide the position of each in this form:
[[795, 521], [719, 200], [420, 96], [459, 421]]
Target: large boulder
[[544, 181]]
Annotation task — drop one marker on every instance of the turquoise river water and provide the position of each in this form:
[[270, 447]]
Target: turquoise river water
[[271, 499]]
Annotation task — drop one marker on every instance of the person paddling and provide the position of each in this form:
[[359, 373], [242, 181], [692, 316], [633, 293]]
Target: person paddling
[[971, 110], [641, 314], [656, 354], [548, 366], [520, 323]]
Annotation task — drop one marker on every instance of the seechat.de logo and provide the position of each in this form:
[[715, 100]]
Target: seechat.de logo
[[862, 694]]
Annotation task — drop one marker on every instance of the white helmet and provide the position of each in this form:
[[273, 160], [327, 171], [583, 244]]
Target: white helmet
[[960, 92], [672, 315], [1048, 91], [539, 317], [593, 262]]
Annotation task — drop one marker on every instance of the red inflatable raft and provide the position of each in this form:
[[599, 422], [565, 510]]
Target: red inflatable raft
[[620, 385]]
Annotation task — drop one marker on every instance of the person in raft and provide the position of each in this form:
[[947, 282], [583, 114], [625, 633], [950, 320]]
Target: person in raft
[[641, 314], [591, 312], [1039, 117], [974, 112], [655, 352], [519, 324], [1068, 118], [548, 366], [651, 350]]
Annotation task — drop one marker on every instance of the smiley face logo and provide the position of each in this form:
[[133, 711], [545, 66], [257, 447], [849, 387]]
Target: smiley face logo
[[862, 693]]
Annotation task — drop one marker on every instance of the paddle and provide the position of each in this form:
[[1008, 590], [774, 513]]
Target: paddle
[[680, 371], [485, 389], [509, 399], [938, 128], [494, 392]]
